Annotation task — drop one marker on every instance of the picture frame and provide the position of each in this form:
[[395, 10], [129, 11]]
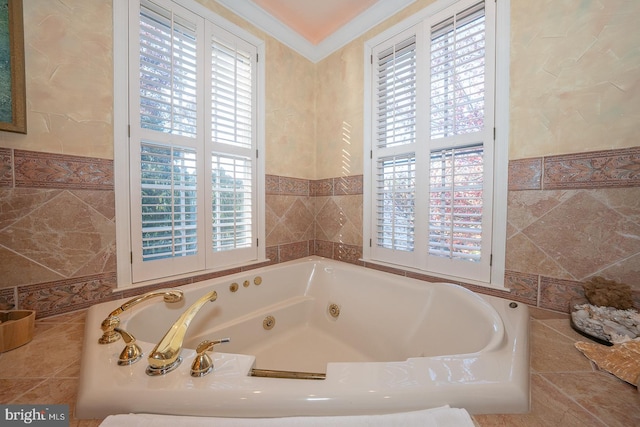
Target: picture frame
[[13, 111]]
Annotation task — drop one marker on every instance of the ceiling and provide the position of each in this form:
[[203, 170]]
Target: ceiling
[[315, 28], [315, 20]]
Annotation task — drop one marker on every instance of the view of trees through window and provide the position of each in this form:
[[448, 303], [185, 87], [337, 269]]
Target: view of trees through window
[[169, 201], [455, 156]]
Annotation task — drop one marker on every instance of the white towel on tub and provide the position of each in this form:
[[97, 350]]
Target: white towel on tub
[[436, 417]]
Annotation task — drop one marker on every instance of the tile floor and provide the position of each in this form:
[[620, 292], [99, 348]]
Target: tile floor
[[566, 389]]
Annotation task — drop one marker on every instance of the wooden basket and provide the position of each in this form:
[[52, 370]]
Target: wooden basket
[[16, 328]]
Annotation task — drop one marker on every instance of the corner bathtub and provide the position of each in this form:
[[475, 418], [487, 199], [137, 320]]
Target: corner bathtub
[[397, 345]]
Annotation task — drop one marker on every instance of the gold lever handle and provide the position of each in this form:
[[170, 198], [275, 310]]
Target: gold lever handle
[[203, 364], [131, 352], [113, 321]]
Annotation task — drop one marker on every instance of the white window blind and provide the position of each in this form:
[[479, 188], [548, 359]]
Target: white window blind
[[455, 203], [167, 71], [395, 202], [396, 93], [169, 201], [232, 202], [231, 94], [431, 147], [233, 100], [457, 73], [393, 152]]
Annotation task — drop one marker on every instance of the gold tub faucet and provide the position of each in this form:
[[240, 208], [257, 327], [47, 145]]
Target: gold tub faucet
[[112, 321], [165, 357]]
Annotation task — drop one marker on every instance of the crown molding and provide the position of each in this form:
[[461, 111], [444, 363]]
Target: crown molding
[[252, 13]]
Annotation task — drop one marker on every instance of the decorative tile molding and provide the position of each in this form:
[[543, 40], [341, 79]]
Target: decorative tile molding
[[67, 295], [282, 185], [348, 185], [291, 251], [7, 298], [6, 168], [344, 185], [556, 294], [522, 286], [598, 169], [525, 174], [322, 187], [338, 251], [45, 170]]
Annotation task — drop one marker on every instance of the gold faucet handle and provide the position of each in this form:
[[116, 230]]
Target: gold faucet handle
[[131, 352], [113, 321], [203, 364], [108, 326]]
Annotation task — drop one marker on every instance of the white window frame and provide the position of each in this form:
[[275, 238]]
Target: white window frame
[[122, 149], [424, 19]]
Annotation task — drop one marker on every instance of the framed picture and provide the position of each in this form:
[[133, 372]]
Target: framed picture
[[13, 109]]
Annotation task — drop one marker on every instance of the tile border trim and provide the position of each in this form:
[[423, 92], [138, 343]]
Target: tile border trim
[[590, 170], [32, 169]]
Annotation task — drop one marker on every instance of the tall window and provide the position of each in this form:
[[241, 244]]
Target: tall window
[[431, 143], [193, 141]]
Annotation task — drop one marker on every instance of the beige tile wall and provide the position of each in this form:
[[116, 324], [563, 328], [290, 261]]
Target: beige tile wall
[[565, 225]]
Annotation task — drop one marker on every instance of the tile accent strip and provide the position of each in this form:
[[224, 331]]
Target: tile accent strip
[[283, 185], [6, 168], [46, 170], [596, 169], [344, 185], [61, 296], [525, 174]]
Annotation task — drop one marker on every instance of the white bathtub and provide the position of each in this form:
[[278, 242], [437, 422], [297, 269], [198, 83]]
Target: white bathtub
[[397, 345]]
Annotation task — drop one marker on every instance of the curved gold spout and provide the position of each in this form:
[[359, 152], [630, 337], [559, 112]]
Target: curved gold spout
[[113, 321], [166, 355]]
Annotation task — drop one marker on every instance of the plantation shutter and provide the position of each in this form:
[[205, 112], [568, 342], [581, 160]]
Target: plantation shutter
[[166, 239], [167, 71], [169, 201], [455, 203], [396, 93], [195, 188], [232, 202], [457, 74], [232, 94], [460, 184], [431, 147], [394, 166], [233, 198]]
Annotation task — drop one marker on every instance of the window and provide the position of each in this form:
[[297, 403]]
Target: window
[[431, 186], [193, 140]]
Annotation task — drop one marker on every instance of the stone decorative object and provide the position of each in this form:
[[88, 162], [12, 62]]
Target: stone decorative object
[[622, 360], [608, 293], [606, 323]]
